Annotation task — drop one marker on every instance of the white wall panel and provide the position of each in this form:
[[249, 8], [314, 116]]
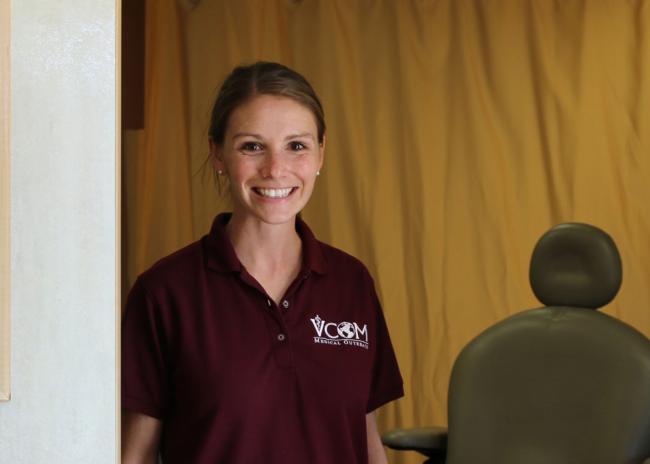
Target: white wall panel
[[64, 243]]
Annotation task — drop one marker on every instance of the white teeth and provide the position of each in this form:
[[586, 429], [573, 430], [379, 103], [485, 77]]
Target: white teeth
[[274, 193]]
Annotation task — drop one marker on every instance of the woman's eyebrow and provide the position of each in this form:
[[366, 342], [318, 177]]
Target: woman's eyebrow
[[296, 136], [246, 134]]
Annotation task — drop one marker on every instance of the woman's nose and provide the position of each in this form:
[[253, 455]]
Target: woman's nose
[[273, 164]]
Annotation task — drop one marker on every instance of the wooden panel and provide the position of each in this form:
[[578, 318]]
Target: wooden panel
[[133, 33], [5, 189]]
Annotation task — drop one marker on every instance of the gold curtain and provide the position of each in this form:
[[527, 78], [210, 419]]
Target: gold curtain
[[458, 132]]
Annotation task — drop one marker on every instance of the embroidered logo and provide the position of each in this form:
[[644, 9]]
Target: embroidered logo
[[340, 333]]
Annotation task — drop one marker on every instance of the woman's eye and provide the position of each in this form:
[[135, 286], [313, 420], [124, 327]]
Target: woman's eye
[[297, 146], [251, 146]]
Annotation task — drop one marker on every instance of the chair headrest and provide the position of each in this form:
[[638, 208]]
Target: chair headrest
[[575, 264]]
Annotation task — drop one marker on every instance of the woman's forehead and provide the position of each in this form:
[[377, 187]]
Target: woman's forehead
[[272, 113]]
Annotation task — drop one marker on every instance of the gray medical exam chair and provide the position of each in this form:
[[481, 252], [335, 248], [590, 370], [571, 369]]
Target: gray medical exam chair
[[561, 384]]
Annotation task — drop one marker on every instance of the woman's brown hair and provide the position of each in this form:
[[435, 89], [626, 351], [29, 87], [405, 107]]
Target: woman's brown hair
[[262, 78]]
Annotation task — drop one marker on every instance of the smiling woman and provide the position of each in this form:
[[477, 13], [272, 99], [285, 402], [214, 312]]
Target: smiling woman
[[258, 343]]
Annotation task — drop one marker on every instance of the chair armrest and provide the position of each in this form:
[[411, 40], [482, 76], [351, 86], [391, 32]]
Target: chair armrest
[[430, 441]]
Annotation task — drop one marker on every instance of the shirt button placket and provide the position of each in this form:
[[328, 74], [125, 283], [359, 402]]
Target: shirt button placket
[[282, 348]]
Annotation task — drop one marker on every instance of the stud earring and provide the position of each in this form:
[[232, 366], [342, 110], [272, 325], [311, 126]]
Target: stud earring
[[318, 173], [219, 172]]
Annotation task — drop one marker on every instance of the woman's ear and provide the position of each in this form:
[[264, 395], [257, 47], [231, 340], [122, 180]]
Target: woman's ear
[[216, 155], [321, 152]]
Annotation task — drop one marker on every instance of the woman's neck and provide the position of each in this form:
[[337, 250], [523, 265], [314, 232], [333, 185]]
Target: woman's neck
[[265, 249]]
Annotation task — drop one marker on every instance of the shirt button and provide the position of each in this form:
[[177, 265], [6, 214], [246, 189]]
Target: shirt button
[[281, 337], [285, 303]]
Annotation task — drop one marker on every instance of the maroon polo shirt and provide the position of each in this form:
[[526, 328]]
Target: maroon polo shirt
[[236, 378]]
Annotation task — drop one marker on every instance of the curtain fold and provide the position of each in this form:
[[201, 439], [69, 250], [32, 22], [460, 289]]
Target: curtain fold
[[458, 132], [157, 164]]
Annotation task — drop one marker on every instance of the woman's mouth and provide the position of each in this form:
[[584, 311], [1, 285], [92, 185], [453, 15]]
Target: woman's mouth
[[274, 192]]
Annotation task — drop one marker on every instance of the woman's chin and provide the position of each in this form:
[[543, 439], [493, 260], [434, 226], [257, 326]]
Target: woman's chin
[[270, 216]]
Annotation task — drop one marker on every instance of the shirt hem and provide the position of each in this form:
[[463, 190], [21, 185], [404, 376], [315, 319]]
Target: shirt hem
[[136, 405], [391, 395]]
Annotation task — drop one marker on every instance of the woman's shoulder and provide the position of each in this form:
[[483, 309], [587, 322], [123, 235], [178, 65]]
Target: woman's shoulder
[[174, 269], [339, 261]]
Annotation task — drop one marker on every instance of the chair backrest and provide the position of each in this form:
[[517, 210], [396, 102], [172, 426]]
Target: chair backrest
[[562, 384]]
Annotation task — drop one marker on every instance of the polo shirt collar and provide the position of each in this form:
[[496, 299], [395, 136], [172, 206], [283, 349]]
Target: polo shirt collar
[[221, 256], [312, 252]]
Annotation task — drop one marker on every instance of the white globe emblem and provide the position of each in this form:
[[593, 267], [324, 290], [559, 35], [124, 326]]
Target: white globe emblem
[[346, 330]]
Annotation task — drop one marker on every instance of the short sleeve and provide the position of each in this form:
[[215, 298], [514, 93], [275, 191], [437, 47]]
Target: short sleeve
[[144, 379], [387, 384]]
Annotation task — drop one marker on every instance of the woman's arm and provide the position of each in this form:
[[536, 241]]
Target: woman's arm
[[376, 453], [140, 438]]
